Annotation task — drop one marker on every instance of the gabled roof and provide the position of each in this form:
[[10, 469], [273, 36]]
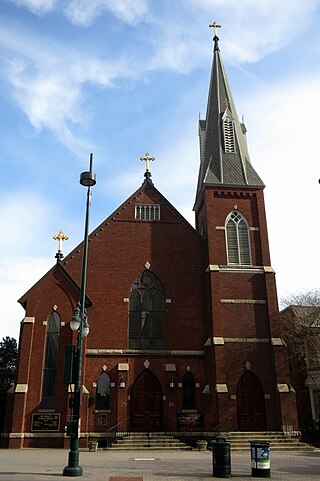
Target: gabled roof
[[217, 165], [57, 268], [147, 185]]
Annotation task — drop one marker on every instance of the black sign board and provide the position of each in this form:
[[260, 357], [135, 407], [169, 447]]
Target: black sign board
[[190, 420], [45, 422]]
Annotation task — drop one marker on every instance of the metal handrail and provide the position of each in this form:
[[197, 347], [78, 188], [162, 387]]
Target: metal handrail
[[116, 425], [224, 423]]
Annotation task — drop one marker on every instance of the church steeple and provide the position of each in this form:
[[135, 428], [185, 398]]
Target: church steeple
[[224, 157]]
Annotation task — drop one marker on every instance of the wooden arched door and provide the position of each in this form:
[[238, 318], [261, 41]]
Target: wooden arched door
[[250, 404], [146, 403]]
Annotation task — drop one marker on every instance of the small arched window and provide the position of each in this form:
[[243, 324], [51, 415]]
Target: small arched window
[[147, 313], [188, 391], [51, 360], [237, 239], [103, 392]]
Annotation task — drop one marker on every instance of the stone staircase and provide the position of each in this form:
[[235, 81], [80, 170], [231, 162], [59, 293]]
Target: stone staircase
[[140, 441], [240, 441], [279, 441]]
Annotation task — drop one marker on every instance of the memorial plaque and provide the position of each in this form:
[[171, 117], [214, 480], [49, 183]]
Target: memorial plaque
[[190, 420], [45, 422]]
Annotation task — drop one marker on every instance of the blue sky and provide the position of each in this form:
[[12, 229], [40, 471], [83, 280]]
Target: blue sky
[[119, 78]]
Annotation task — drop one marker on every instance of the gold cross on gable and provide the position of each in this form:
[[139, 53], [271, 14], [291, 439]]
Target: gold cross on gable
[[147, 159], [60, 237], [215, 25]]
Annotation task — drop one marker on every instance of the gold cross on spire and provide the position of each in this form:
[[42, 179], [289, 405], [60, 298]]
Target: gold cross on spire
[[215, 25], [147, 159], [60, 237]]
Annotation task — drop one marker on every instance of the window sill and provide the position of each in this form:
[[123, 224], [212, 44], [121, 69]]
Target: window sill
[[102, 411]]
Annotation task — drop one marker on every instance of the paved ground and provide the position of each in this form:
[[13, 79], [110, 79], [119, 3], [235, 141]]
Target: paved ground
[[48, 464]]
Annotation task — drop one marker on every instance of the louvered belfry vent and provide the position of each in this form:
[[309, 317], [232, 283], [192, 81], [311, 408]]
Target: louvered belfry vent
[[228, 134]]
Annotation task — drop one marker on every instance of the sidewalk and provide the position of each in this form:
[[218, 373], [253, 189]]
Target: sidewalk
[[48, 464]]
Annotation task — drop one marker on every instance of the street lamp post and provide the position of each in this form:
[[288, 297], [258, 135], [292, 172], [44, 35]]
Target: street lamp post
[[79, 322]]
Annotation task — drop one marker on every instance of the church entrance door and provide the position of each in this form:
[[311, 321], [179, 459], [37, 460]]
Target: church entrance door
[[250, 404], [146, 403]]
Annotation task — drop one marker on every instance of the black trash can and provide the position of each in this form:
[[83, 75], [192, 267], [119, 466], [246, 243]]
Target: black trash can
[[260, 459], [221, 460]]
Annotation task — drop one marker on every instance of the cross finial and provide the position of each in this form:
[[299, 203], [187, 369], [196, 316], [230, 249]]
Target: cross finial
[[147, 159], [60, 238], [215, 25]]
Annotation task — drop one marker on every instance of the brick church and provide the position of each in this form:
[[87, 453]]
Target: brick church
[[183, 320]]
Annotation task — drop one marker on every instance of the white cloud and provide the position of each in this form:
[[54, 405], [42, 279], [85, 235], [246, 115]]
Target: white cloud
[[282, 141], [24, 216], [48, 82], [251, 29], [26, 213], [36, 6], [85, 12], [17, 275], [174, 50]]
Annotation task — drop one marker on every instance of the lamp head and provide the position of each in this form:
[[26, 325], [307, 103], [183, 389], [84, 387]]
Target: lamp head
[[75, 320], [85, 328], [87, 179]]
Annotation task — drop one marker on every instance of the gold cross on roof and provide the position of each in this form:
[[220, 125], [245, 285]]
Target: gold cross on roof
[[215, 25], [146, 159], [60, 237]]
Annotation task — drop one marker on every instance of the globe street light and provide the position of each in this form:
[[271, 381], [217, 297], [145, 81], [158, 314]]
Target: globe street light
[[79, 322]]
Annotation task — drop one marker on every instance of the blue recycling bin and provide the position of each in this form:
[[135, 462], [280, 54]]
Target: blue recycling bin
[[260, 459]]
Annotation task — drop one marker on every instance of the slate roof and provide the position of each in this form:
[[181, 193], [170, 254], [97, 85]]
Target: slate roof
[[218, 167]]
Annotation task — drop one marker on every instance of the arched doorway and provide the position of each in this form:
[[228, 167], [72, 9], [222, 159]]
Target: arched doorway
[[250, 404], [146, 403]]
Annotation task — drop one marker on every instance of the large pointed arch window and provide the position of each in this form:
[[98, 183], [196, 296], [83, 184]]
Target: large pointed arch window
[[147, 313], [237, 239], [51, 360]]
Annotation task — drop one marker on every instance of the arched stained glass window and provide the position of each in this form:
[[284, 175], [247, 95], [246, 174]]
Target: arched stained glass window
[[51, 360], [103, 391], [237, 239], [188, 391], [147, 313]]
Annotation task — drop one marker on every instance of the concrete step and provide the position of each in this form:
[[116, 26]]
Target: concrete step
[[140, 441], [240, 441], [279, 441]]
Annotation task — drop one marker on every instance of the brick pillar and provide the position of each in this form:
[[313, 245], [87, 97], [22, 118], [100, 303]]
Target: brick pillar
[[21, 387]]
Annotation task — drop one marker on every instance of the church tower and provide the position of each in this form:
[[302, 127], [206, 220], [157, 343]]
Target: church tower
[[246, 357], [184, 328]]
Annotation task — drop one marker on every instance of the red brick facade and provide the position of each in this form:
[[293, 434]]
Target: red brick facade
[[218, 320], [221, 364]]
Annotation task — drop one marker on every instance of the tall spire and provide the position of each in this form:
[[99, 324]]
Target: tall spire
[[224, 157]]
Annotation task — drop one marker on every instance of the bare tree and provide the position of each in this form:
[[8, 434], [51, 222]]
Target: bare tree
[[300, 326]]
